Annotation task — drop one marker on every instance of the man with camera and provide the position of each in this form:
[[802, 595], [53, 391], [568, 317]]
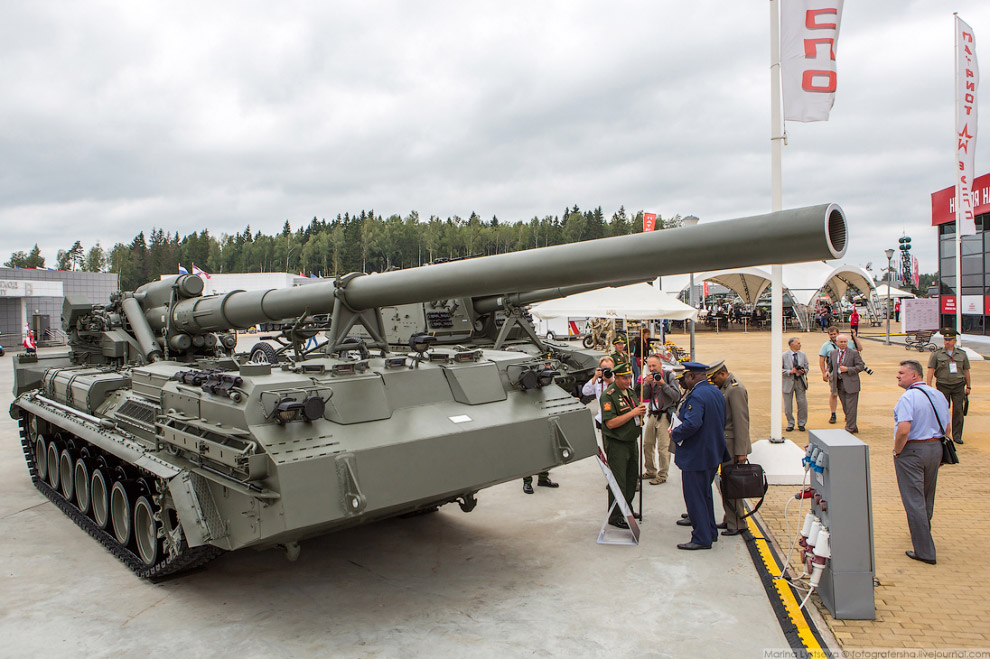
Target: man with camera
[[622, 416], [598, 383], [795, 383], [661, 396]]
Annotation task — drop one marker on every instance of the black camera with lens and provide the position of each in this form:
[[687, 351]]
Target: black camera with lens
[[869, 371], [658, 377], [606, 373]]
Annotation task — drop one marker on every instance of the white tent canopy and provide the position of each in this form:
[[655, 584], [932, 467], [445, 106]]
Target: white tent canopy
[[638, 301], [894, 292]]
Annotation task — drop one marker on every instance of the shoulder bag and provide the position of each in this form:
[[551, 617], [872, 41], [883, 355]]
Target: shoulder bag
[[949, 456]]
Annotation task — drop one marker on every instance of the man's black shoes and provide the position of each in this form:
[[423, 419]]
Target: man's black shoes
[[911, 554], [958, 441], [732, 531], [546, 482], [832, 419], [801, 428], [684, 521], [690, 546], [619, 523], [528, 488]]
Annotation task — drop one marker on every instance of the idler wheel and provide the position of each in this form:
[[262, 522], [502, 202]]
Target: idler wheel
[[99, 492], [53, 471], [146, 531], [81, 475], [122, 511], [66, 476], [41, 457]]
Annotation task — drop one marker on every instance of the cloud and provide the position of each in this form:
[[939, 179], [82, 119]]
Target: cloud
[[124, 116]]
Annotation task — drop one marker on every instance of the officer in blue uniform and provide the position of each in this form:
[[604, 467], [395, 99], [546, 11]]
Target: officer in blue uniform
[[700, 440]]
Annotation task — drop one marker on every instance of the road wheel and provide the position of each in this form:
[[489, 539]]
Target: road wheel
[[146, 531]]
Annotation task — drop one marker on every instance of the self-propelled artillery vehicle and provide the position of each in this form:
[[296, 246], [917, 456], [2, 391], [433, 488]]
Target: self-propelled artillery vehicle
[[168, 447]]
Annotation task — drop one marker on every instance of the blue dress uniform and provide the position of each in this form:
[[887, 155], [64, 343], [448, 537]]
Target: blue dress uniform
[[700, 440]]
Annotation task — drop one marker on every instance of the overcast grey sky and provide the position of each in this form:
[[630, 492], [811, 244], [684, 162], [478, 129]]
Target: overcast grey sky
[[120, 116]]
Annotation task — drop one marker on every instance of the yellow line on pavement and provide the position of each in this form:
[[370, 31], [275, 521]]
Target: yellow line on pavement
[[786, 595]]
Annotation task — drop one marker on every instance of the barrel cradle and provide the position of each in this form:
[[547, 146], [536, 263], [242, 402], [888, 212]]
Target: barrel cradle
[[161, 441]]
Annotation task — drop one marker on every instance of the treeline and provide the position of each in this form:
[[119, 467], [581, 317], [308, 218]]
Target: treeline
[[364, 242]]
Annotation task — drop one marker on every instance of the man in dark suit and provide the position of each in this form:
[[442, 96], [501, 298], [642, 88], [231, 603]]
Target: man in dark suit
[[846, 367], [699, 433]]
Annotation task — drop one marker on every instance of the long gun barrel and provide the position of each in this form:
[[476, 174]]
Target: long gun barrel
[[791, 236]]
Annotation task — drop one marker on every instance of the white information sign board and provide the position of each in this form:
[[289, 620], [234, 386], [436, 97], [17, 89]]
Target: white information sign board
[[919, 314]]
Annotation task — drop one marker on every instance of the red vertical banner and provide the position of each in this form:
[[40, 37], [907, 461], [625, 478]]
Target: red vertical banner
[[649, 222], [705, 289]]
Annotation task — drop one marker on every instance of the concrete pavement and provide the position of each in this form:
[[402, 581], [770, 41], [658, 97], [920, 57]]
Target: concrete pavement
[[521, 575]]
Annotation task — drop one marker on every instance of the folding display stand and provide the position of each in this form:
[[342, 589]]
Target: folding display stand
[[628, 536]]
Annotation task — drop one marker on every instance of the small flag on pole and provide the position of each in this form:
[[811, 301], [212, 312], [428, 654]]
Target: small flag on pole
[[649, 222], [183, 271], [199, 272]]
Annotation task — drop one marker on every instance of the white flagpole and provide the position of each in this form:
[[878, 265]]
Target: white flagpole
[[955, 84], [776, 271]]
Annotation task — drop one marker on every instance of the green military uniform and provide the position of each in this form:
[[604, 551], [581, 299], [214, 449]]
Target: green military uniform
[[952, 385], [620, 357], [621, 444]]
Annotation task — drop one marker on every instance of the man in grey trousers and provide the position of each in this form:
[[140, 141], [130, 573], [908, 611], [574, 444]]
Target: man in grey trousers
[[794, 364], [922, 419]]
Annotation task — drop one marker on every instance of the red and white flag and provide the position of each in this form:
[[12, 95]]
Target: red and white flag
[[649, 222], [199, 272], [967, 85], [809, 36]]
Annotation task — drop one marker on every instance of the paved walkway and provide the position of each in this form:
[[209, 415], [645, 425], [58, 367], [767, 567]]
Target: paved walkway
[[918, 605]]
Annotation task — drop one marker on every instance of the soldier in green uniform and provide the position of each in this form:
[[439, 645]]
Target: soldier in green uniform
[[622, 417], [950, 366], [620, 355]]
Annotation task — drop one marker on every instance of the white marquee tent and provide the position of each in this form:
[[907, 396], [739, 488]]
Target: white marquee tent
[[894, 292], [636, 301]]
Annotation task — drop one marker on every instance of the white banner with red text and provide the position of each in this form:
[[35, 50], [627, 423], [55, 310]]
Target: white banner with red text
[[967, 86], [809, 36]]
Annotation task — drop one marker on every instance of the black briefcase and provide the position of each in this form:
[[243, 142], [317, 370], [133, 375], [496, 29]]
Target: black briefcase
[[744, 481]]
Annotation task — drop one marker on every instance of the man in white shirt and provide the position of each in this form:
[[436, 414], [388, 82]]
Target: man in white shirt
[[599, 383]]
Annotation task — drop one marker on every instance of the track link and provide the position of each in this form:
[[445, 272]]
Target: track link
[[187, 559]]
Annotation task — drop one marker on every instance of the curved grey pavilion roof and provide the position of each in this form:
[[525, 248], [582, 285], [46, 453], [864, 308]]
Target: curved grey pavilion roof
[[802, 280]]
